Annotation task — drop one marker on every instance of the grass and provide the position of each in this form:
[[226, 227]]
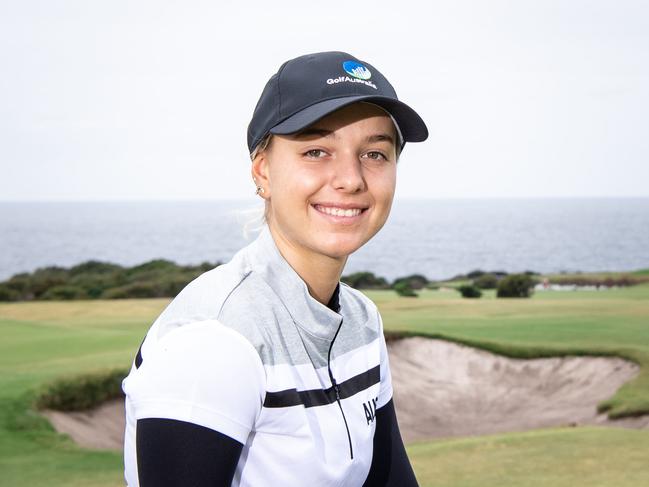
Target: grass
[[593, 457], [43, 341]]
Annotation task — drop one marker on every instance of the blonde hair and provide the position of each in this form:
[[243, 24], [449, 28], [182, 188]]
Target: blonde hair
[[259, 148], [262, 146]]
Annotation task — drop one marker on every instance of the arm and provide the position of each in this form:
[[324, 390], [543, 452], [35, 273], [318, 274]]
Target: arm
[[390, 464], [195, 397], [173, 453]]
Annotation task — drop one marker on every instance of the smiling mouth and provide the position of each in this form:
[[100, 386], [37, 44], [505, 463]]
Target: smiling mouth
[[339, 212]]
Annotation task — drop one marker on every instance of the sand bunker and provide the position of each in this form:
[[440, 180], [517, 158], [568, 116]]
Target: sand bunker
[[101, 427], [444, 389]]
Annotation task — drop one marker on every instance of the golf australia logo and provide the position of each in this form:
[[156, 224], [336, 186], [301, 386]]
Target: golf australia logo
[[357, 70]]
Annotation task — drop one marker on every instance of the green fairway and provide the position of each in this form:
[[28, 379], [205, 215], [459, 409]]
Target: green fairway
[[45, 340], [593, 457]]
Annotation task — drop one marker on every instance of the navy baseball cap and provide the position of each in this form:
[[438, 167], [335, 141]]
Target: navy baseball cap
[[309, 87]]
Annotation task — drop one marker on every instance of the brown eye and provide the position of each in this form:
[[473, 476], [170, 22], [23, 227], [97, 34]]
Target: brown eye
[[375, 155], [315, 153]]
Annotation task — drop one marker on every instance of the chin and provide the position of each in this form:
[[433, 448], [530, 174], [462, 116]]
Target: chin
[[341, 246]]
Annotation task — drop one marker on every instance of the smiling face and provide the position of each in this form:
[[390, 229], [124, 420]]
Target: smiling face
[[330, 187]]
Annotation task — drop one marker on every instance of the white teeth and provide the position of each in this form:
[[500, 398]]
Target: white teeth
[[338, 211]]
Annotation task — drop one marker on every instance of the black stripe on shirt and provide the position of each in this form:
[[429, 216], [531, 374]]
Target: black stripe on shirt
[[138, 356], [322, 397]]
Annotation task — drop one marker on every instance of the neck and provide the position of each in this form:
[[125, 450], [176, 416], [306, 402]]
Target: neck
[[320, 273]]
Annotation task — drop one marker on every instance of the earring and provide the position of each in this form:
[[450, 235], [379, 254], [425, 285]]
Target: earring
[[260, 190]]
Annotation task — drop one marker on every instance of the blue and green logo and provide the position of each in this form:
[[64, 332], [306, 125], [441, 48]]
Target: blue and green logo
[[357, 70]]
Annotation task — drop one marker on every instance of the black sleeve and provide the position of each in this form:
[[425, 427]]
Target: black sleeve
[[390, 464], [180, 454]]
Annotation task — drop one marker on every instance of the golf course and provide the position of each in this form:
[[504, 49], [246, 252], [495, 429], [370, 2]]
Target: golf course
[[46, 341]]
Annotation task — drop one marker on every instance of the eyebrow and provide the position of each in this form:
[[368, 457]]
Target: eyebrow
[[380, 138], [314, 131]]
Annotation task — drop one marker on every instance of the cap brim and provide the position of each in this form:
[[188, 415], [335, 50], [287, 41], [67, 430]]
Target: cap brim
[[412, 127]]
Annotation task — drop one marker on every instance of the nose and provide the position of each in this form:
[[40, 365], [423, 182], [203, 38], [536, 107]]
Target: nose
[[348, 173]]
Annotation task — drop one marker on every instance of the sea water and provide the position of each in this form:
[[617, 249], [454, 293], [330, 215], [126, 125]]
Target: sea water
[[438, 238]]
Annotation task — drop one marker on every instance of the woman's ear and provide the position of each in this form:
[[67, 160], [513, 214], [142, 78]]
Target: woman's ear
[[260, 175]]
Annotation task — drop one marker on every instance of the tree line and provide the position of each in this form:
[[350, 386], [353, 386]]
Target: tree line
[[163, 278]]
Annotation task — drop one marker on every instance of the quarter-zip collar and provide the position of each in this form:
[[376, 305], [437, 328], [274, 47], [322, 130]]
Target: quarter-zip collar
[[307, 312]]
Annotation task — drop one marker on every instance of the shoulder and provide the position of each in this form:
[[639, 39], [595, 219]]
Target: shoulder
[[198, 341], [203, 298], [197, 310], [202, 373], [252, 303], [205, 345], [254, 311]]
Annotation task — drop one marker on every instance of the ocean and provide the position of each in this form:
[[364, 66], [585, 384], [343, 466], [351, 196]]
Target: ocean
[[439, 238]]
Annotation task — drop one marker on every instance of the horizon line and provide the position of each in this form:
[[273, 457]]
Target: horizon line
[[251, 199]]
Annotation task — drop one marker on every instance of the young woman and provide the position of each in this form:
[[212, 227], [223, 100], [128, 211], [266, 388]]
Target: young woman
[[268, 370]]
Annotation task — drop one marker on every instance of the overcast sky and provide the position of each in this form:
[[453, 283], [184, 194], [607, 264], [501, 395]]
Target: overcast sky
[[139, 100]]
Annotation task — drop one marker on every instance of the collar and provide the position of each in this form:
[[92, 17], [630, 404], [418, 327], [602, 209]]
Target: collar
[[307, 312], [334, 302]]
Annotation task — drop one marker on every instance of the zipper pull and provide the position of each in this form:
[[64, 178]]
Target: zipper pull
[[336, 388]]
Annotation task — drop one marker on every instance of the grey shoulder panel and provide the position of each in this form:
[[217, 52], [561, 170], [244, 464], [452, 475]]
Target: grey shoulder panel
[[253, 310], [202, 298]]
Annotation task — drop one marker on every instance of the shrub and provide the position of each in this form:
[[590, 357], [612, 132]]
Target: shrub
[[94, 279], [20, 283], [17, 288], [515, 286], [46, 277], [8, 294], [206, 266], [64, 292], [415, 281], [96, 284], [403, 288], [365, 280], [469, 291], [94, 267], [134, 290], [151, 268], [598, 280], [475, 274], [486, 281], [82, 392]]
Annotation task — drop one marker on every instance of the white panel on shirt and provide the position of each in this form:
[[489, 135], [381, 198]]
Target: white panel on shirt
[[203, 373]]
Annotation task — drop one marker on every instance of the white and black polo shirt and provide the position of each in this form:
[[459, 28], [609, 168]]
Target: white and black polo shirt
[[245, 350]]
